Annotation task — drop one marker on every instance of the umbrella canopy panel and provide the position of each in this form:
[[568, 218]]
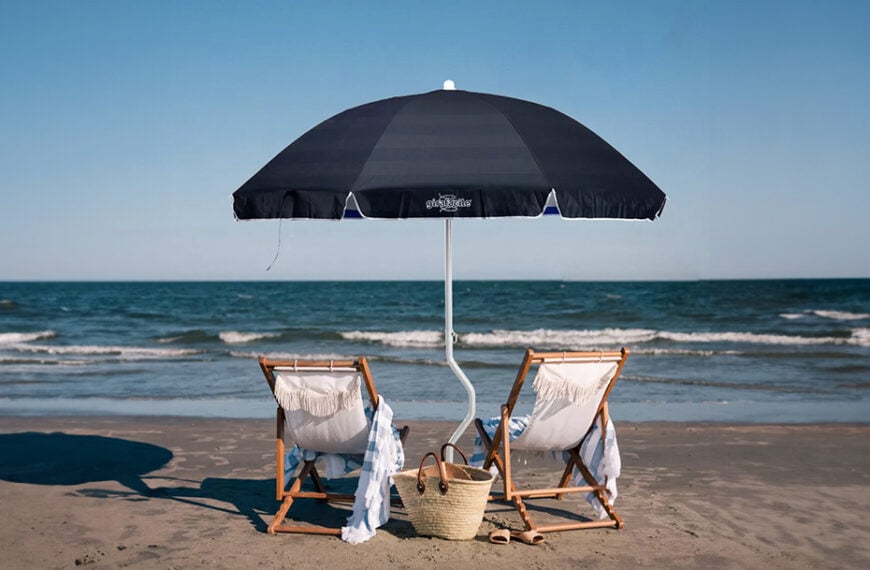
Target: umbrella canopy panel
[[449, 154]]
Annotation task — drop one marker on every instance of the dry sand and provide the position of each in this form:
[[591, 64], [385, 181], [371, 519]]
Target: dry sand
[[189, 493]]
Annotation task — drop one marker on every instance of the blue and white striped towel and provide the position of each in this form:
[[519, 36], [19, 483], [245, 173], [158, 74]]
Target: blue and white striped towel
[[601, 457], [384, 456]]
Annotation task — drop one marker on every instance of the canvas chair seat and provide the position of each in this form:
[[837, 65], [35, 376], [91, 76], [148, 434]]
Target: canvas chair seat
[[571, 396], [568, 395], [323, 411]]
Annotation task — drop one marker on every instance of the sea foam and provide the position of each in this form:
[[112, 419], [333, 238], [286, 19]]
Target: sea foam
[[550, 338], [18, 337], [99, 350], [833, 315], [289, 356], [747, 337], [860, 337], [407, 339], [235, 337], [841, 315]]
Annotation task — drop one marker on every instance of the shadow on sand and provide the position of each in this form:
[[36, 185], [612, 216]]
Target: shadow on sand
[[67, 460], [64, 459], [255, 499]]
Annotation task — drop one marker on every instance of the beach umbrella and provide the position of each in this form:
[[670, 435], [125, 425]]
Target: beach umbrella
[[449, 154]]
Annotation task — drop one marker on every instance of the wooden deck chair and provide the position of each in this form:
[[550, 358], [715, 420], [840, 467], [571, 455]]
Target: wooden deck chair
[[320, 408], [562, 417]]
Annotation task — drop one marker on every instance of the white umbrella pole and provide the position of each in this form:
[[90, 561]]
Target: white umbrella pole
[[449, 338]]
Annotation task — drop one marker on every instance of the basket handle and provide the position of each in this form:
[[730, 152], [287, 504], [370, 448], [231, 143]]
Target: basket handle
[[446, 445], [421, 486]]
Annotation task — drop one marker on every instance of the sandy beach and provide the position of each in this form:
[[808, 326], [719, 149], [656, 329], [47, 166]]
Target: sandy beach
[[152, 492]]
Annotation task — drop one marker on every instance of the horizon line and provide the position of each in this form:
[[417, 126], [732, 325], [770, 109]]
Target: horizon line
[[364, 280]]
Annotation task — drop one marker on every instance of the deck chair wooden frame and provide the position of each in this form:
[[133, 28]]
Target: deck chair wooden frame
[[498, 449], [309, 470]]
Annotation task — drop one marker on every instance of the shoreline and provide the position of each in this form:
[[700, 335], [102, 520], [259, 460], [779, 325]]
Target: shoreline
[[76, 420], [157, 492], [745, 412]]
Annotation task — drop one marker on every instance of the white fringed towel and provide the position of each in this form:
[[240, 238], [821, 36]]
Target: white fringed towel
[[576, 382], [383, 458], [320, 395], [323, 410]]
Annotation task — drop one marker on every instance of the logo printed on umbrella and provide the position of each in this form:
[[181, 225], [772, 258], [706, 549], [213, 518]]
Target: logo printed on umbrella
[[447, 203]]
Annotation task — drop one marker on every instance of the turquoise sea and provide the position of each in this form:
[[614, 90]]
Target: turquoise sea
[[749, 351]]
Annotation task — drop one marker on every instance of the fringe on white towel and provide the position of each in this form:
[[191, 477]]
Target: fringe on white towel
[[318, 404]]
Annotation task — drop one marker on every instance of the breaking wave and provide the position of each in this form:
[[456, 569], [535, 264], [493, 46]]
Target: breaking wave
[[745, 337], [290, 356], [406, 339], [97, 350], [841, 315], [548, 338], [235, 337], [45, 361], [861, 337], [17, 337], [685, 352], [833, 315]]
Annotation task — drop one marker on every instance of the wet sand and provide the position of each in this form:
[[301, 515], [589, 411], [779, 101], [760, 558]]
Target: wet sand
[[149, 492]]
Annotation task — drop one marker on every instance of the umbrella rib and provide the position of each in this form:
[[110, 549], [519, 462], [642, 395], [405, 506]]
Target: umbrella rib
[[372, 149], [520, 136]]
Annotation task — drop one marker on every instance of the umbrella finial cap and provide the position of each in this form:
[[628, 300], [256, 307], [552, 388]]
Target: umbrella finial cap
[[449, 85]]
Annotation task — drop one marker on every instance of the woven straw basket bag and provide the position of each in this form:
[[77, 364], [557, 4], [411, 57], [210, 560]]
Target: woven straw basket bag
[[445, 500]]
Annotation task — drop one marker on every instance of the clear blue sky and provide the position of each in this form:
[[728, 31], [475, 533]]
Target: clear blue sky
[[125, 126]]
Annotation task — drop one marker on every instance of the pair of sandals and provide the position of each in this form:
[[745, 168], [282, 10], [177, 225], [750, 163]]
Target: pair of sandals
[[504, 536]]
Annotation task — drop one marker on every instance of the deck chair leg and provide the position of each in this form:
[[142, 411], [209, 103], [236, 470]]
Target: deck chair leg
[[599, 494], [288, 500], [566, 477], [487, 442], [493, 458], [315, 478], [508, 483], [510, 493], [279, 516], [524, 513]]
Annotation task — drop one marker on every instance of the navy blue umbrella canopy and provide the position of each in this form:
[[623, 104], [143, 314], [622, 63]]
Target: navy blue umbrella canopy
[[449, 154]]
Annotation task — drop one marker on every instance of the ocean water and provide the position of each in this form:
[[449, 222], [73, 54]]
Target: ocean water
[[748, 351]]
